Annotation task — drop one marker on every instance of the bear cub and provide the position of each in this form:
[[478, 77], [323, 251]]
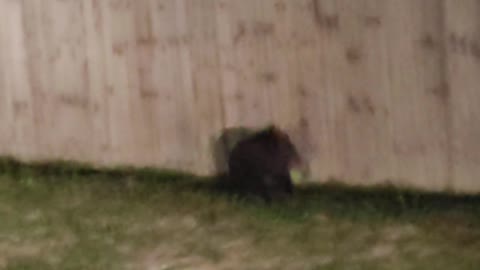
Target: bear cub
[[260, 164]]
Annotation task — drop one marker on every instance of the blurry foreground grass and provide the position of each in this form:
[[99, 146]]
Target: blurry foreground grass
[[72, 217]]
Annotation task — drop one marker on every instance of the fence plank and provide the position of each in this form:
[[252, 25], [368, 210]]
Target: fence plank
[[95, 82], [58, 68], [208, 97], [420, 130], [172, 80], [16, 84], [463, 58], [342, 84], [372, 91], [6, 128], [39, 70], [310, 93], [240, 28]]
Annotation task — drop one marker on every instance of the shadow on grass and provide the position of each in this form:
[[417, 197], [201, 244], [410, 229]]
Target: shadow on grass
[[331, 199]]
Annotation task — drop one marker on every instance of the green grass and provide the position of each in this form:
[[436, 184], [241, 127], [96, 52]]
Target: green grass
[[70, 216]]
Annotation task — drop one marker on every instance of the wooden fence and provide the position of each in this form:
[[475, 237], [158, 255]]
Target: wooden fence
[[372, 90]]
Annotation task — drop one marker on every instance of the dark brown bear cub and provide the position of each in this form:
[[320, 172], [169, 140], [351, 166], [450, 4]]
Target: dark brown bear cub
[[260, 164]]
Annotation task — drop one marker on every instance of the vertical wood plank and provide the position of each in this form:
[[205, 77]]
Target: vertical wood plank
[[187, 124], [148, 124], [6, 128], [240, 30], [58, 74], [280, 57], [416, 70], [308, 84], [463, 58], [122, 81], [163, 83], [40, 75], [95, 76], [357, 90], [15, 81], [207, 99], [173, 82], [374, 91], [272, 31], [226, 30]]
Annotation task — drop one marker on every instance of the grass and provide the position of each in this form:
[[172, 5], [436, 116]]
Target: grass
[[70, 216]]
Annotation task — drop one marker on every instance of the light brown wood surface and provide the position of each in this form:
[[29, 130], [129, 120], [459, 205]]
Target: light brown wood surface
[[372, 91]]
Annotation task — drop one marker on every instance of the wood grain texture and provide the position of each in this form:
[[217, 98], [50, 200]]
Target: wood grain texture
[[372, 91], [462, 89]]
